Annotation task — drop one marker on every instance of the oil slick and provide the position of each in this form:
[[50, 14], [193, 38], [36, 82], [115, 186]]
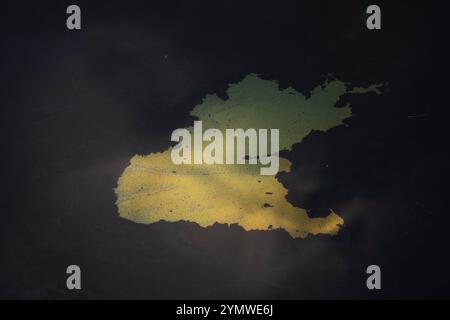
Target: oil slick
[[154, 188]]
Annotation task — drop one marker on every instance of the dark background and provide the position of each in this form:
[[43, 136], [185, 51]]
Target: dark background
[[77, 105]]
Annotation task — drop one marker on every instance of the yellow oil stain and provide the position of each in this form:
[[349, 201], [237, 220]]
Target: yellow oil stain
[[152, 188]]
